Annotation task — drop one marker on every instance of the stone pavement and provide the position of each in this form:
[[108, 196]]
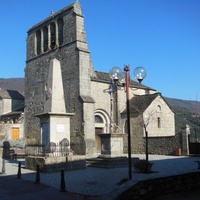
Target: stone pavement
[[12, 188], [90, 183]]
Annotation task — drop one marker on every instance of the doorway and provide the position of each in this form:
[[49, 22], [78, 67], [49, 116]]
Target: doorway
[[98, 132], [15, 133]]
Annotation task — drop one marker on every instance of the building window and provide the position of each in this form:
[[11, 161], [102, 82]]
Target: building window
[[159, 122], [38, 42], [98, 119], [159, 108], [60, 31]]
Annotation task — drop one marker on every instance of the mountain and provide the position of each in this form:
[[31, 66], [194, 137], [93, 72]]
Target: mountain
[[12, 84]]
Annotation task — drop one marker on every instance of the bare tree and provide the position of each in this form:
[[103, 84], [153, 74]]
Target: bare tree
[[146, 119]]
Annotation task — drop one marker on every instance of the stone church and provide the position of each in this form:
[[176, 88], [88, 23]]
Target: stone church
[[65, 98]]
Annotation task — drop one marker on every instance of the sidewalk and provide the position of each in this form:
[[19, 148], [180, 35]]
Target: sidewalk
[[91, 181]]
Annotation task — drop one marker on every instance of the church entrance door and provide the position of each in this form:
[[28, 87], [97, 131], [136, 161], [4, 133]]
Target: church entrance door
[[98, 132]]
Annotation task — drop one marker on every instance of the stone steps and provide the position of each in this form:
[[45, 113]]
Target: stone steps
[[108, 162]]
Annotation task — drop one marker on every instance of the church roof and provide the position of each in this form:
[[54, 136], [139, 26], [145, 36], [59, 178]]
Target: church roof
[[105, 78], [139, 103]]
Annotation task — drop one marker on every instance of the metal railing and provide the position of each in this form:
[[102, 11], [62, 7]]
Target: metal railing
[[47, 150]]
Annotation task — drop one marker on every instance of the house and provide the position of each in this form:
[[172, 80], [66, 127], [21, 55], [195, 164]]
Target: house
[[11, 115], [96, 121], [151, 113]]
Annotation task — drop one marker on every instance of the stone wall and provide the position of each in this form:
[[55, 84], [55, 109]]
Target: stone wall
[[150, 189], [156, 145], [164, 145], [55, 164]]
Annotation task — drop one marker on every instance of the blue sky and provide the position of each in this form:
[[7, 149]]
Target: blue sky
[[161, 35]]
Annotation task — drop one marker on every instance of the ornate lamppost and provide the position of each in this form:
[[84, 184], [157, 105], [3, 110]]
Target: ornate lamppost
[[118, 76]]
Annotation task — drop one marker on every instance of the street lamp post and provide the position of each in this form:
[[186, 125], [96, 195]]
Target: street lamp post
[[116, 75]]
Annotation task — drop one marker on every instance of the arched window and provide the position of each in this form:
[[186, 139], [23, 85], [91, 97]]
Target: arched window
[[38, 42], [60, 31], [159, 108], [98, 119], [53, 35], [45, 39]]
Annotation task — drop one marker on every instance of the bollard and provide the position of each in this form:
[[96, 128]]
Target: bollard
[[3, 167], [37, 178], [19, 171], [62, 182]]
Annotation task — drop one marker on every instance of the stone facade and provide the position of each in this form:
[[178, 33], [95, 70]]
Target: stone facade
[[98, 108], [11, 115], [159, 118], [61, 36], [152, 112]]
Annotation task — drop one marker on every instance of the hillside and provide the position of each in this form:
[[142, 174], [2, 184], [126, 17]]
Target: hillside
[[12, 83], [186, 112], [192, 106]]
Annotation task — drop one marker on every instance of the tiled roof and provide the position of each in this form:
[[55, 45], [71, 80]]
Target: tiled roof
[[139, 103], [104, 77], [10, 94]]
